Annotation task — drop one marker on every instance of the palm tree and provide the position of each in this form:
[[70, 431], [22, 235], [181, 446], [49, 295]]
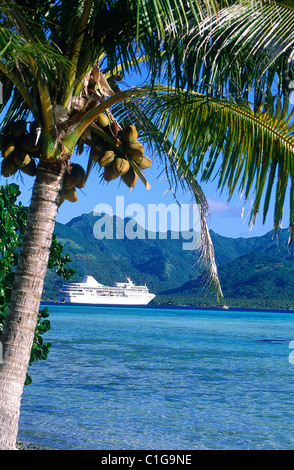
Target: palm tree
[[61, 63]]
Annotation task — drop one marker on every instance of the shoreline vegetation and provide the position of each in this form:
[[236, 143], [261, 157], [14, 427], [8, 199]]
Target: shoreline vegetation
[[171, 305], [235, 304]]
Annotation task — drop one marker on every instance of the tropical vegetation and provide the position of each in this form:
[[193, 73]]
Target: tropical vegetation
[[217, 105]]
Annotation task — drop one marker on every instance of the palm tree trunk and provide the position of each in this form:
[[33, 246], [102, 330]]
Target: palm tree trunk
[[19, 329]]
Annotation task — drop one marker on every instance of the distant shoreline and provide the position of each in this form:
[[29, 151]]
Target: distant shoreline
[[174, 307]]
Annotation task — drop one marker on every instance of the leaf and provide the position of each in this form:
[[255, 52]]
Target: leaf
[[28, 380], [101, 82]]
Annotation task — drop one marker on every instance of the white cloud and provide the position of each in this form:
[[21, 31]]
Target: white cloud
[[217, 206], [223, 208]]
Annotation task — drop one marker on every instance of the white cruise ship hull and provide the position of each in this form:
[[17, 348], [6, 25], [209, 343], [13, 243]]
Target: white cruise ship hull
[[106, 300], [91, 292]]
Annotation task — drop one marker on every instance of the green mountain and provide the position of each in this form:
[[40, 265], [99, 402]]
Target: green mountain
[[262, 278], [256, 271], [160, 263]]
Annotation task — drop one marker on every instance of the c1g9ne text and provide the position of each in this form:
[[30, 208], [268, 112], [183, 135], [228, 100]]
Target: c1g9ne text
[[171, 459]]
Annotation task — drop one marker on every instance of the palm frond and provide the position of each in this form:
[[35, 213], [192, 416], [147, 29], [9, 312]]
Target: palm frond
[[127, 30], [241, 44], [22, 30], [248, 151], [28, 58], [209, 272]]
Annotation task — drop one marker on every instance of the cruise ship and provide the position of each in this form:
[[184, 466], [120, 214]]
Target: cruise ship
[[89, 291]]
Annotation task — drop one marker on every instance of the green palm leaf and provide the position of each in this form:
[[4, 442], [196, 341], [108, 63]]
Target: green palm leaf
[[27, 58], [245, 44]]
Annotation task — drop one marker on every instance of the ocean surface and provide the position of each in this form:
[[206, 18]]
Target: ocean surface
[[151, 378]]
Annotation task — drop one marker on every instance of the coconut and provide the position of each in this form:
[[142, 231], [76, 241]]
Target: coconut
[[8, 167], [7, 146], [115, 129], [120, 166], [75, 177], [130, 178], [80, 175], [109, 174], [102, 121], [18, 128], [143, 162], [21, 157], [82, 183], [136, 154], [30, 169], [71, 195], [106, 158], [135, 147], [129, 134], [69, 181]]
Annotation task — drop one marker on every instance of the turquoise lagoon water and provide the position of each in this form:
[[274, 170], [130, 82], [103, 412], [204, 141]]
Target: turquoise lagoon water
[[150, 378]]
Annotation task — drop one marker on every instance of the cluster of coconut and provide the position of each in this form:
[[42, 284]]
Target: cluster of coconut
[[75, 177], [118, 163], [19, 149]]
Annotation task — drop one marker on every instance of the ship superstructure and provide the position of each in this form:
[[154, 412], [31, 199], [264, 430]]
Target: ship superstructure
[[89, 291]]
